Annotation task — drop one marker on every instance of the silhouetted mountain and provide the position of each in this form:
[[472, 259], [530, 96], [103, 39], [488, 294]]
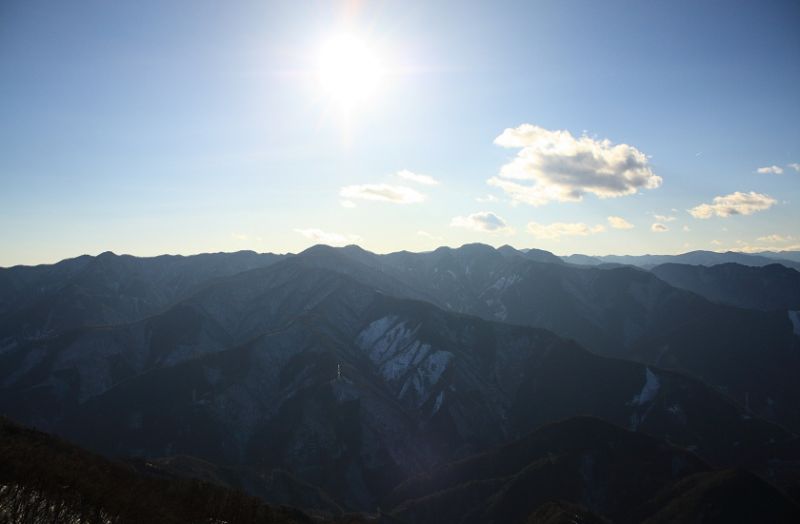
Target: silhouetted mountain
[[46, 480], [41, 301], [244, 374], [622, 312], [540, 255], [767, 287], [582, 260], [327, 378], [699, 258], [781, 255]]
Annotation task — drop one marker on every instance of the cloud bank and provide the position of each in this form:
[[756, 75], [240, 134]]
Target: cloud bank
[[619, 223], [562, 229], [775, 239], [734, 204], [555, 166], [484, 221], [774, 242]]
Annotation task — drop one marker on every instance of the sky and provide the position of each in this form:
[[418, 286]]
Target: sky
[[620, 127]]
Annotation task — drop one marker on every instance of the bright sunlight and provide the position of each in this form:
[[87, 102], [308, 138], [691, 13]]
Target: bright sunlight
[[349, 70]]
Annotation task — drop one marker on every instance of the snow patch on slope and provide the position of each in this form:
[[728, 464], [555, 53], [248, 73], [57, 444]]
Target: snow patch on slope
[[406, 363], [505, 282], [375, 331], [438, 403], [649, 390]]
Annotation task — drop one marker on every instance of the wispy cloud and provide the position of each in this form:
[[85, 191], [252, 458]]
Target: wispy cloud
[[664, 218], [484, 221], [659, 228], [734, 204], [794, 166], [770, 170], [487, 198], [425, 180], [325, 237], [562, 229], [619, 223], [555, 166], [382, 193]]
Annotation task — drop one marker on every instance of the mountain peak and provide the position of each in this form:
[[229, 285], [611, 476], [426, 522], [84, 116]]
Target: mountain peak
[[509, 250]]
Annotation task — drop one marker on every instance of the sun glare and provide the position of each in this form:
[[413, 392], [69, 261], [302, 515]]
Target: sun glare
[[349, 70]]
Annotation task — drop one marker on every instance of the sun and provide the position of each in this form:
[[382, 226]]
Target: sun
[[349, 70]]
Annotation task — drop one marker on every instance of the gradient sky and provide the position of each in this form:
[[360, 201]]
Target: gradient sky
[[184, 127]]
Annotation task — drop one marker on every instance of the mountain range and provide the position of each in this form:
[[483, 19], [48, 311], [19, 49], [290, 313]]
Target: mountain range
[[340, 380], [699, 258]]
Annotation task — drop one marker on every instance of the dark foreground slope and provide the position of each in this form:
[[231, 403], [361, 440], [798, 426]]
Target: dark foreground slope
[[596, 471], [46, 480], [720, 497], [577, 470]]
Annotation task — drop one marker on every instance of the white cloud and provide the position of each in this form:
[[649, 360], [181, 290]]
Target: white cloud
[[324, 237], [686, 229], [794, 166], [619, 223], [734, 204], [562, 229], [769, 170], [484, 221], [487, 198], [425, 180], [716, 243], [664, 218], [382, 193], [555, 166], [659, 228], [775, 239], [240, 236], [349, 204]]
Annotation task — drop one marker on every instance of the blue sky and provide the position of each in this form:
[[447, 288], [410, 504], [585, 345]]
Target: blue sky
[[186, 127]]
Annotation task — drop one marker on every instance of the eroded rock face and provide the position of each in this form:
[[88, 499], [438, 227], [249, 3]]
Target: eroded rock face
[[412, 369]]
